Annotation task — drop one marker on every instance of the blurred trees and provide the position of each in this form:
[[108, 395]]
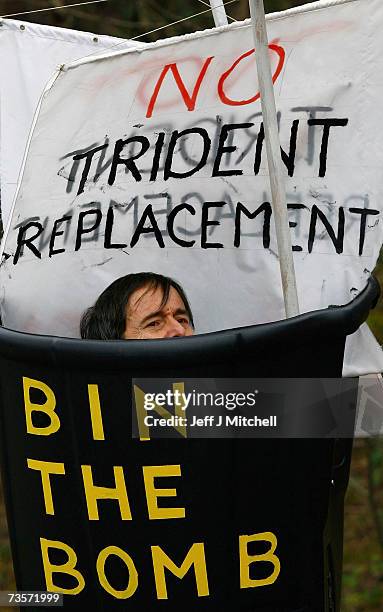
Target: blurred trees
[[128, 18]]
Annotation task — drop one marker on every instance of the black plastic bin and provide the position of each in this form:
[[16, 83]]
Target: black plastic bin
[[230, 488]]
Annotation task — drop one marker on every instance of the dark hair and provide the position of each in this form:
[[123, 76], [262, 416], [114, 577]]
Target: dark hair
[[106, 320]]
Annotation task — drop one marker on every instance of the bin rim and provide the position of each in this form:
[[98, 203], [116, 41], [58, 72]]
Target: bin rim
[[339, 321]]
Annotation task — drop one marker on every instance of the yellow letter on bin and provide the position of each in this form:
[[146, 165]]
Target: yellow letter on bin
[[93, 493], [46, 468], [246, 559], [95, 413], [133, 575], [195, 556], [152, 494], [65, 568], [48, 407]]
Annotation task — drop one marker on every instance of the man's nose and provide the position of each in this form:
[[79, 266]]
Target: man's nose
[[174, 328]]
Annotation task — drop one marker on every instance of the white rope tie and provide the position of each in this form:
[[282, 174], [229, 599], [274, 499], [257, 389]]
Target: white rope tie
[[175, 22], [52, 8], [218, 6]]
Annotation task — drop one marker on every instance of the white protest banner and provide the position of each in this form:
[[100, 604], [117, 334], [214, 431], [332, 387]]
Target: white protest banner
[[30, 53], [154, 160]]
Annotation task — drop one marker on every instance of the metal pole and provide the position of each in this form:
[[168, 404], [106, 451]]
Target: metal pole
[[277, 184], [219, 12]]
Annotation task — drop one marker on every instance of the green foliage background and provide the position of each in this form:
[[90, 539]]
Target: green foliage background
[[363, 558], [127, 18]]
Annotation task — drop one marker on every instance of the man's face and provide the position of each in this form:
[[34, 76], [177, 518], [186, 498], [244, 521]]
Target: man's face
[[146, 319]]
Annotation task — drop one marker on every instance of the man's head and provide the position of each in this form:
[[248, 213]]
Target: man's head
[[139, 306]]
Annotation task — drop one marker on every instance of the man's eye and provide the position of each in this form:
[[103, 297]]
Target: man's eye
[[155, 323], [183, 321]]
